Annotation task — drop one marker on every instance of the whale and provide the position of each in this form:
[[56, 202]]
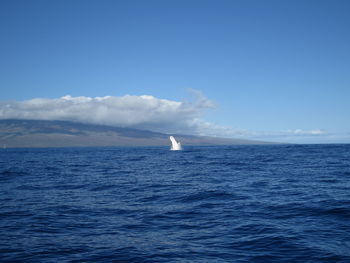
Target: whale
[[175, 146]]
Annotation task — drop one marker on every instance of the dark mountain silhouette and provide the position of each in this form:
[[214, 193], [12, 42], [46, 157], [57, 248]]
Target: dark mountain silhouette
[[42, 133]]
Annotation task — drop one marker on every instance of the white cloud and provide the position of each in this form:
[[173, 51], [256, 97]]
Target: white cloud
[[305, 132], [289, 133], [293, 136], [143, 112]]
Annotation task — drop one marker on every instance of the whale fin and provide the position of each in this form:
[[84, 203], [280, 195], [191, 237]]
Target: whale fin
[[175, 146]]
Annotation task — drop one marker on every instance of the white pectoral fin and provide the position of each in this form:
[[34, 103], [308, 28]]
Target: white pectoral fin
[[174, 144], [173, 141]]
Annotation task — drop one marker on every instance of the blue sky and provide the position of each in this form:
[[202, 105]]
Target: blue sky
[[276, 70]]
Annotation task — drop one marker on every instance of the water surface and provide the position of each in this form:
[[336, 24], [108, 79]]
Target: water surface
[[280, 203]]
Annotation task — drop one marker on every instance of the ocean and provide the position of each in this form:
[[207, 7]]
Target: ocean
[[262, 203]]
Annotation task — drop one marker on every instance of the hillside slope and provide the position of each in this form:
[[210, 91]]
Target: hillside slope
[[40, 133]]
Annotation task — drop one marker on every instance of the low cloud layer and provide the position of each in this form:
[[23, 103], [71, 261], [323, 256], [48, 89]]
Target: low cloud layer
[[142, 112]]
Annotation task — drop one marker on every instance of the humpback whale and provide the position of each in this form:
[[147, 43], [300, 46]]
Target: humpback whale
[[175, 146]]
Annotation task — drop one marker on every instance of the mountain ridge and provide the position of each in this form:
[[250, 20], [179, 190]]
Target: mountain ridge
[[18, 133]]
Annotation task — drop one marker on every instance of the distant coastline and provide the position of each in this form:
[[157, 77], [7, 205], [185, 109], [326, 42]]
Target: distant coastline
[[15, 133]]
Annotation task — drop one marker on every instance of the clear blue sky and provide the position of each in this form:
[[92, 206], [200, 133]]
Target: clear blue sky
[[269, 65]]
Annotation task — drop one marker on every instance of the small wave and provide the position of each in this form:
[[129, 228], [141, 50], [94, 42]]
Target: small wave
[[12, 173], [341, 212], [207, 195], [103, 187], [136, 159]]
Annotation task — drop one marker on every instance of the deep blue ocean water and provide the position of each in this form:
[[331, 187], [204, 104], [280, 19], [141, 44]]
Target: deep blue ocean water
[[277, 203]]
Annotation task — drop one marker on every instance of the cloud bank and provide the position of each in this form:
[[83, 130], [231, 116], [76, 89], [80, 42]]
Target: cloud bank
[[141, 112]]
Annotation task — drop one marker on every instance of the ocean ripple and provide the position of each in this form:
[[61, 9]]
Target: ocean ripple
[[280, 203]]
